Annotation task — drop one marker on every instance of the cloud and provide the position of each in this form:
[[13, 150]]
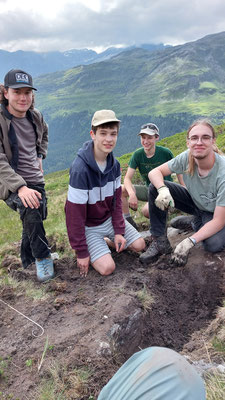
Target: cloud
[[109, 23]]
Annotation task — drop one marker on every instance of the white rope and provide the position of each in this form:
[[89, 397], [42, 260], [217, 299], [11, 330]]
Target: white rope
[[29, 319]]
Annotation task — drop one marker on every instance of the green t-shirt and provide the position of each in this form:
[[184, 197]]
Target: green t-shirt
[[207, 192], [145, 165]]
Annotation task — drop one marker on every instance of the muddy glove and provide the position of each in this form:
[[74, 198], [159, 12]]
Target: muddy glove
[[181, 252], [164, 198]]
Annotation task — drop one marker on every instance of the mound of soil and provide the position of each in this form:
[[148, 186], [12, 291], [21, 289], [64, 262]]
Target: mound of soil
[[98, 322]]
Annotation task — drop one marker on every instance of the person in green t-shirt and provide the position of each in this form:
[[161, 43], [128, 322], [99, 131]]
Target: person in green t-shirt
[[148, 157]]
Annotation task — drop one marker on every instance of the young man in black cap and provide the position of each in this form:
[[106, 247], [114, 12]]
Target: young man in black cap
[[23, 145]]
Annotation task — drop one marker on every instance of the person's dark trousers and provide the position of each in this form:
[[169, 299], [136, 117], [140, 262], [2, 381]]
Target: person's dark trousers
[[34, 243], [183, 202]]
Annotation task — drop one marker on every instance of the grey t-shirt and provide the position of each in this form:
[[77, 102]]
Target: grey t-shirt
[[102, 166], [28, 163], [206, 192]]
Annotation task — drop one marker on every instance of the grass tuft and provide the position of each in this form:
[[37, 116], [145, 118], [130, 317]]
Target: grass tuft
[[145, 298], [25, 287], [64, 384], [215, 387]]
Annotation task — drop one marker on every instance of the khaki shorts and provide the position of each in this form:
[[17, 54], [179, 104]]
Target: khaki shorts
[[141, 192]]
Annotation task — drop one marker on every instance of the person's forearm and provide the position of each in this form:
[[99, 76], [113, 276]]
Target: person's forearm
[[117, 214], [156, 177], [129, 187], [208, 230], [75, 222], [180, 179]]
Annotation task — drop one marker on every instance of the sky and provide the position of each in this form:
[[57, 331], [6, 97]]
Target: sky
[[60, 25]]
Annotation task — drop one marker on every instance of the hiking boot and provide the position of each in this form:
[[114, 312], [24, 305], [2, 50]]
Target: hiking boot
[[45, 269], [54, 256], [131, 221], [160, 245], [182, 222]]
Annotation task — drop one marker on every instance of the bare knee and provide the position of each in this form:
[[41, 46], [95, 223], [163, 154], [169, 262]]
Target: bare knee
[[145, 210], [107, 269], [137, 245], [104, 265]]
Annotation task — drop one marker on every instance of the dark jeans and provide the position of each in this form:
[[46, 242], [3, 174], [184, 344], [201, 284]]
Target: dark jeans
[[183, 202], [34, 243]]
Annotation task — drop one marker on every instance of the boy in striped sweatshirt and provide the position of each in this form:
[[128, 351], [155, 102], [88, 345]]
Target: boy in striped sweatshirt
[[93, 207]]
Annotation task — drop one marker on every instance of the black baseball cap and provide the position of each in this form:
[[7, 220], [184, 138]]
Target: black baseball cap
[[16, 79]]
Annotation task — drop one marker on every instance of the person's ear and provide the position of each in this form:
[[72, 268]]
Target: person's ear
[[6, 93], [92, 134], [156, 138]]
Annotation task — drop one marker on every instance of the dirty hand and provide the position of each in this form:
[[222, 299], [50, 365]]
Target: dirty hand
[[181, 252], [83, 265], [133, 202], [164, 198], [120, 242]]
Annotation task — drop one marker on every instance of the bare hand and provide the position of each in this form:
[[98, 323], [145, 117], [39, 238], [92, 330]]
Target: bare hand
[[120, 243], [83, 265], [29, 197], [133, 202]]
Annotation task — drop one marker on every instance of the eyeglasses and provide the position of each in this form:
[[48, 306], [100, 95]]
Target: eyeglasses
[[203, 139], [150, 126]]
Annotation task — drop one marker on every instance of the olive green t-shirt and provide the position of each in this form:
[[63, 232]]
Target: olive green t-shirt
[[145, 165]]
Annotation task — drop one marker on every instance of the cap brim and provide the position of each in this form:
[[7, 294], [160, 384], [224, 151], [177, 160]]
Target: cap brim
[[148, 132], [22, 85], [104, 121]]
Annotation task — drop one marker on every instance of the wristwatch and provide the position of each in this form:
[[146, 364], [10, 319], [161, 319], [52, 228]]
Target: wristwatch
[[193, 240]]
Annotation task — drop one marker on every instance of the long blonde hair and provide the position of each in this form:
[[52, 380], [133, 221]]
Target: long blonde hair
[[191, 160]]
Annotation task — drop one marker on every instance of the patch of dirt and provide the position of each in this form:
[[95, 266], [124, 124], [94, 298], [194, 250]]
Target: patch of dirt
[[98, 322]]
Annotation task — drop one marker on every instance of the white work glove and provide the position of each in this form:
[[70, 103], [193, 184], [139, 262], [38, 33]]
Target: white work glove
[[181, 252], [164, 198]]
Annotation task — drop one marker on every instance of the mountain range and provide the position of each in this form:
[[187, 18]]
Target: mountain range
[[42, 63], [170, 87]]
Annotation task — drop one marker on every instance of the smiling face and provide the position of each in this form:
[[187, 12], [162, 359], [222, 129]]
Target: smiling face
[[148, 142], [200, 141], [104, 140], [19, 101]]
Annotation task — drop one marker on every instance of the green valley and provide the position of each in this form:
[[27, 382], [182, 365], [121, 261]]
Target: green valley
[[170, 87]]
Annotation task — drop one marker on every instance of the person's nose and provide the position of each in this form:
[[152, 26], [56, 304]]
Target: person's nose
[[22, 96]]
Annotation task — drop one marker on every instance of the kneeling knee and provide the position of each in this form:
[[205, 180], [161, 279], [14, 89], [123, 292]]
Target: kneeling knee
[[145, 212], [213, 245], [138, 245], [107, 269]]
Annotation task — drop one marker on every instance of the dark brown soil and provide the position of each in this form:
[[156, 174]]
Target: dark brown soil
[[98, 322]]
